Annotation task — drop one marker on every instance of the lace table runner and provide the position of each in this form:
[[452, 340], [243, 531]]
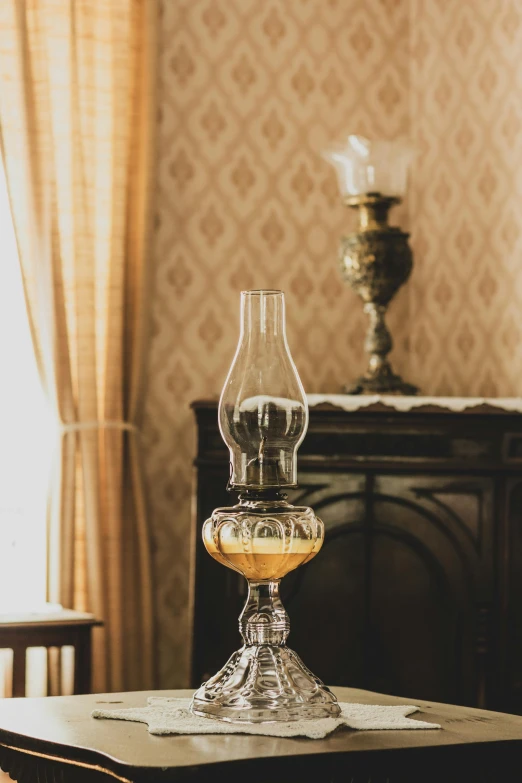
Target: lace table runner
[[165, 715], [356, 402]]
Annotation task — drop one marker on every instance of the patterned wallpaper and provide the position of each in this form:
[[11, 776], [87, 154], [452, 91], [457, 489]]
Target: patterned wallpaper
[[249, 93], [466, 196]]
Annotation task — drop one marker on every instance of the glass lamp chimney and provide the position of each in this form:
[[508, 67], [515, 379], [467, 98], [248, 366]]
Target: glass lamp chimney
[[263, 412]]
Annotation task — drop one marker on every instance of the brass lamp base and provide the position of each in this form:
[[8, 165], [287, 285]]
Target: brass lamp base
[[384, 383], [376, 261]]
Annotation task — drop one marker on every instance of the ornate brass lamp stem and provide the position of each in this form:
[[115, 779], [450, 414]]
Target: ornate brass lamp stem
[[376, 261]]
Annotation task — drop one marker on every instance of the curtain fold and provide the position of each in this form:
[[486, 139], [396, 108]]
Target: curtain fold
[[77, 130]]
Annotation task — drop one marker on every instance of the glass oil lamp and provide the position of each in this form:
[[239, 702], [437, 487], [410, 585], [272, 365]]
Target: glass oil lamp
[[263, 417]]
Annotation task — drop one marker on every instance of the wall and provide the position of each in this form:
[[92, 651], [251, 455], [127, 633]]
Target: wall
[[466, 196], [249, 93]]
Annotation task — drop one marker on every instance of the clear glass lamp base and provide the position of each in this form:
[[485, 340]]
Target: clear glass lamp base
[[264, 681], [264, 684]]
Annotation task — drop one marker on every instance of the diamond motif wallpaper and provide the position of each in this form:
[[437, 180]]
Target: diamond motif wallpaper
[[465, 196], [249, 94]]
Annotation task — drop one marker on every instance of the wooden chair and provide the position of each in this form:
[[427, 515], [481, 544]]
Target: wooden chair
[[63, 628]]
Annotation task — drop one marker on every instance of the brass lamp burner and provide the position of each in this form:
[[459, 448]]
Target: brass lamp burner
[[376, 260]]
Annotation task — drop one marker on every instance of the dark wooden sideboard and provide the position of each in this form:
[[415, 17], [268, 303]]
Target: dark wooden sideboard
[[418, 588]]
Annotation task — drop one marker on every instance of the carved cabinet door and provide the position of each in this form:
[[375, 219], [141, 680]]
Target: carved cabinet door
[[399, 599]]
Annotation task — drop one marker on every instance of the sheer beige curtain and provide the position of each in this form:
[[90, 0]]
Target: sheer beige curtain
[[76, 119]]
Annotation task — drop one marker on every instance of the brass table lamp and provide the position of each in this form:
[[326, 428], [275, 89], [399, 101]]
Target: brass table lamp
[[376, 259], [263, 417]]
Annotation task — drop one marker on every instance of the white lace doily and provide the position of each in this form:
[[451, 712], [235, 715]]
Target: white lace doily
[[355, 402], [172, 716]]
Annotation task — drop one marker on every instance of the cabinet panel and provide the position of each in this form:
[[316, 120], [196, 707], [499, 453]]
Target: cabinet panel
[[439, 572], [512, 670], [397, 590], [414, 641]]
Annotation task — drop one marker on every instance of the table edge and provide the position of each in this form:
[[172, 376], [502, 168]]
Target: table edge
[[235, 769]]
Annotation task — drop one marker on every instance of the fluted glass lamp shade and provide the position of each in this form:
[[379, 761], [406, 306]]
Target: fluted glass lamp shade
[[365, 166], [263, 413]]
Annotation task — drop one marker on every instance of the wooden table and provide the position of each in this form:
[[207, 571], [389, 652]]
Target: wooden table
[[55, 740], [61, 628]]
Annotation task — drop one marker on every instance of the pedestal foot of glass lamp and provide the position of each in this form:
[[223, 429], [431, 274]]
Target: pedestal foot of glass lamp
[[264, 683]]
